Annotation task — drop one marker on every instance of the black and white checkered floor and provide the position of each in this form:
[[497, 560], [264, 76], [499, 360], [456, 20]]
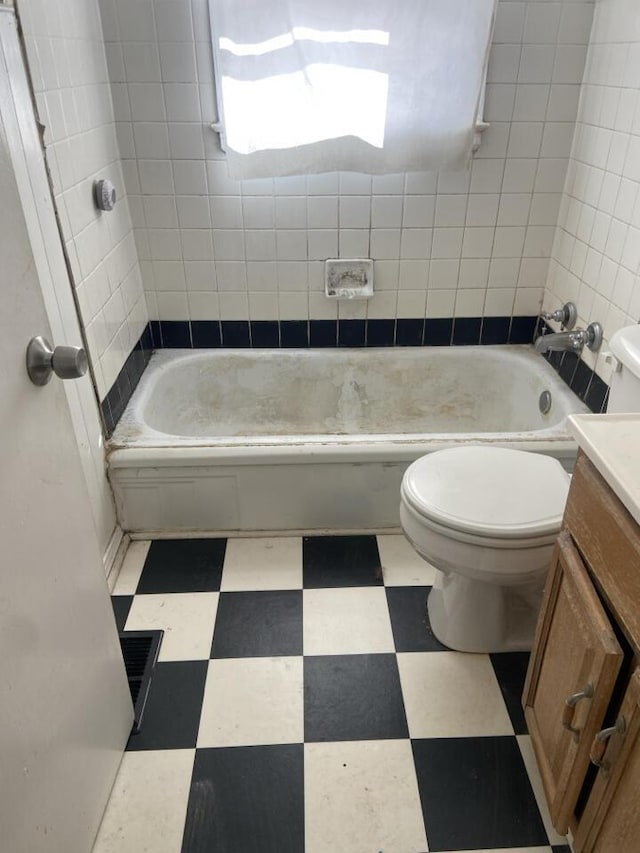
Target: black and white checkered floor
[[301, 705]]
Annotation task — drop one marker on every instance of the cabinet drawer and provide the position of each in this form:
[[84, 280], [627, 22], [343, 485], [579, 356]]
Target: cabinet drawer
[[609, 541], [575, 651]]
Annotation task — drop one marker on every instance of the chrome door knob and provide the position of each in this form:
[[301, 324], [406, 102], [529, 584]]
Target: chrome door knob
[[43, 361]]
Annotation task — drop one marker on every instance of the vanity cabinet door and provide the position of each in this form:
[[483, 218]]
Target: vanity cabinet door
[[611, 819], [570, 680]]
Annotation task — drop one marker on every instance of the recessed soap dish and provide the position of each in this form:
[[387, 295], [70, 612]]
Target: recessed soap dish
[[348, 279]]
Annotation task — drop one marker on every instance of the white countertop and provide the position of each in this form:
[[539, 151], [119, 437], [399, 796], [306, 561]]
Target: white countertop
[[612, 443]]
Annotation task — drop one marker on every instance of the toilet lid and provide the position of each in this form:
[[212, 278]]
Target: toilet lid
[[489, 491]]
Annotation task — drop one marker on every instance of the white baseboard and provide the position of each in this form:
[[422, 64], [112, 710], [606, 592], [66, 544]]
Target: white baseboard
[[114, 555], [177, 533]]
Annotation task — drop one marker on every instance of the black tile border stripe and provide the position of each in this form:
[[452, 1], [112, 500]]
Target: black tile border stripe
[[402, 332], [583, 381], [127, 380]]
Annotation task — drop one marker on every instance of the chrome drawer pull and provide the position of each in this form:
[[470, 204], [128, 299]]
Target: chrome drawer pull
[[570, 707], [599, 744]]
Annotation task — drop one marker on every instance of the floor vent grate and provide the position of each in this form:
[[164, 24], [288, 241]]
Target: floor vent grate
[[140, 651]]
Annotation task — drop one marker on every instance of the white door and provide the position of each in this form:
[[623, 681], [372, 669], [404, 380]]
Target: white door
[[65, 710]]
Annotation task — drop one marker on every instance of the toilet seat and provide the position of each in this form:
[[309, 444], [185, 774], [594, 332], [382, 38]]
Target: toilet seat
[[495, 543], [495, 497]]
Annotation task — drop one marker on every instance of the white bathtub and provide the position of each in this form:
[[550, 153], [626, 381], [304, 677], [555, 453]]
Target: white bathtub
[[217, 441]]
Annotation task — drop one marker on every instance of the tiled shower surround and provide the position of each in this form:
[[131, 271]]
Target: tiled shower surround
[[596, 253], [459, 257], [461, 245], [66, 57]]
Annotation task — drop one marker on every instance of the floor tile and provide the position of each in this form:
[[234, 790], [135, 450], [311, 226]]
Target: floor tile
[[401, 564], [131, 569], [249, 701], [148, 803], [340, 561], [252, 564], [352, 697], [183, 565], [258, 624], [451, 694], [246, 800], [172, 713], [187, 619], [410, 620], [511, 670], [528, 756], [362, 797], [346, 621], [121, 605], [476, 794]]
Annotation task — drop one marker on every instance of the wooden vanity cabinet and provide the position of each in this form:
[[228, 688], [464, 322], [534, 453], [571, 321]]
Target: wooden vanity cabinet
[[575, 652], [611, 819], [582, 692]]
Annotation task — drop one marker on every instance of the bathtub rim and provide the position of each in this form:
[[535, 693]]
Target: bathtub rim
[[146, 438], [385, 451]]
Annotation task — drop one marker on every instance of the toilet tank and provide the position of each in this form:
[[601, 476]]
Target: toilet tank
[[624, 395]]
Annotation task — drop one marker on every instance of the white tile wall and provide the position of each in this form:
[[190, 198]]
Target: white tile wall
[[596, 251], [471, 243], [33, 183], [66, 55]]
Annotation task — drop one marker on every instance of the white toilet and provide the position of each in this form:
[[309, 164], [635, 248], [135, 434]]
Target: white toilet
[[486, 518]]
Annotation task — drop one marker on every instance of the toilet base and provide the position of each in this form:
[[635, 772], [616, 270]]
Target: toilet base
[[472, 616]]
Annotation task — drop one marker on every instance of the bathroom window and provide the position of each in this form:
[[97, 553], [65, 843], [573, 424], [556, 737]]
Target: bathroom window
[[375, 86]]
